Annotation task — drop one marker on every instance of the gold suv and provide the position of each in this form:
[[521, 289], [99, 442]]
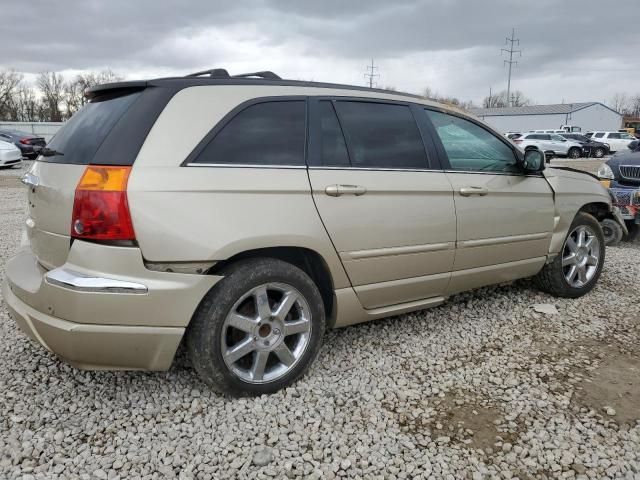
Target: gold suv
[[246, 214]]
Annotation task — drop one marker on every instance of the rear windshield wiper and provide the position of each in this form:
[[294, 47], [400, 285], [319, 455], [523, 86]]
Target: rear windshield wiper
[[48, 152]]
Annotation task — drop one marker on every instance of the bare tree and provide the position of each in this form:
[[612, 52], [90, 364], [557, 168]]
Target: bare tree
[[619, 102], [51, 86], [431, 94], [500, 100], [634, 106], [27, 105], [9, 84], [74, 89]]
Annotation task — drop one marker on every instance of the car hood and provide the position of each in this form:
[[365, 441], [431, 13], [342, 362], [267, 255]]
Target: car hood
[[567, 172], [624, 158], [7, 146]]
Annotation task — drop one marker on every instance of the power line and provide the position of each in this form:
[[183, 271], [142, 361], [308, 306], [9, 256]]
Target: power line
[[371, 73], [510, 42]]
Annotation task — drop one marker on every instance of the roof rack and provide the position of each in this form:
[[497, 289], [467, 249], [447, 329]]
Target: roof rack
[[222, 73], [267, 75], [213, 73]]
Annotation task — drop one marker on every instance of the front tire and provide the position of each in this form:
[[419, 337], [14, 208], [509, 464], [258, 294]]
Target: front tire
[[574, 153], [258, 329], [576, 269], [599, 152]]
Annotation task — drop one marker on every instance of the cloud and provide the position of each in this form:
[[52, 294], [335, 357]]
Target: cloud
[[570, 49]]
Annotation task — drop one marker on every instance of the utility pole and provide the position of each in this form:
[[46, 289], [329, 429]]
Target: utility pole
[[510, 42], [371, 73]]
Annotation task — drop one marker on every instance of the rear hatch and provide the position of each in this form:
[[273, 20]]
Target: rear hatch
[[94, 135]]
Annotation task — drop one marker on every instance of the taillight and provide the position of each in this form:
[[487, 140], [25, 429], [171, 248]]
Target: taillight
[[25, 141], [517, 141], [100, 207]]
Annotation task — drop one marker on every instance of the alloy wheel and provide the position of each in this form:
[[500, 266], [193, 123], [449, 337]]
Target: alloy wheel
[[580, 256], [266, 332]]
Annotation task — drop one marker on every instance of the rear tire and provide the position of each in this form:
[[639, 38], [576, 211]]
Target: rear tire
[[258, 329], [557, 278], [612, 232]]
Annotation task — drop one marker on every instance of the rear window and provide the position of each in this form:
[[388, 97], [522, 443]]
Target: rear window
[[80, 137], [381, 135], [268, 133]]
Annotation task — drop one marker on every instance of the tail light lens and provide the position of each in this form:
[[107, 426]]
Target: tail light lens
[[25, 141], [100, 207], [517, 141]]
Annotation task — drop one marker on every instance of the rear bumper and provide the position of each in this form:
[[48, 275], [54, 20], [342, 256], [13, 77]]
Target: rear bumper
[[117, 316], [96, 347]]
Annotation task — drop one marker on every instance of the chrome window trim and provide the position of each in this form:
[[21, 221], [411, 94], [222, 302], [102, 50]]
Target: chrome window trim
[[244, 165], [80, 282], [381, 169], [511, 174]]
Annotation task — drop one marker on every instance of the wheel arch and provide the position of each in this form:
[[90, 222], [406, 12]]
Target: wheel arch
[[309, 261], [600, 210]]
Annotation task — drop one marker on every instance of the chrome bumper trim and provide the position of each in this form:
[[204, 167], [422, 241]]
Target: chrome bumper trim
[[80, 282]]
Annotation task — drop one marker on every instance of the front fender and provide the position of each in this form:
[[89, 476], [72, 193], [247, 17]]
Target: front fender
[[573, 192]]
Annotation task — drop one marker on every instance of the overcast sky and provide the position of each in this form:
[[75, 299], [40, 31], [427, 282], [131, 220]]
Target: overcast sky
[[572, 50]]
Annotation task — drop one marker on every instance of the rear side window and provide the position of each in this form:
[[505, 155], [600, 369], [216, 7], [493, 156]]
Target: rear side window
[[269, 133], [80, 137], [381, 135], [614, 136], [333, 147], [599, 135]]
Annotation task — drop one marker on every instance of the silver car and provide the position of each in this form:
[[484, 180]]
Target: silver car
[[551, 144]]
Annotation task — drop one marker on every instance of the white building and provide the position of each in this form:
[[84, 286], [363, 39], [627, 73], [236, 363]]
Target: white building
[[589, 116]]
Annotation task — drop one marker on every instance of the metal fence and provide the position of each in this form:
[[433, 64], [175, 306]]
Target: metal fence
[[42, 129]]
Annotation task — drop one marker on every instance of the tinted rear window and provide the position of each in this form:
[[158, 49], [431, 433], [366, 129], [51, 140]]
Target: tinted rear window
[[81, 136], [381, 135], [269, 133]]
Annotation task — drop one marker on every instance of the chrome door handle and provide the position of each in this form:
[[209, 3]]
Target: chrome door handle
[[30, 179], [468, 191], [337, 190]]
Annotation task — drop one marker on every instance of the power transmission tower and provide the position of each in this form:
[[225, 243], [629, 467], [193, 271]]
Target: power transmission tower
[[371, 73], [510, 42]]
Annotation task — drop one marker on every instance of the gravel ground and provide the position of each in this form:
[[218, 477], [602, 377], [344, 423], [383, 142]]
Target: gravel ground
[[481, 387]]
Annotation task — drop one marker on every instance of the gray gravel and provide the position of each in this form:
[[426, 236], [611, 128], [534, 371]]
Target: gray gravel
[[481, 387]]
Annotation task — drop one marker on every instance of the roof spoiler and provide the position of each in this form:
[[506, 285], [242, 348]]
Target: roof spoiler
[[115, 88]]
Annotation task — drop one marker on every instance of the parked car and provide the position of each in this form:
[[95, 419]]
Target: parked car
[[557, 131], [9, 155], [513, 135], [614, 140], [27, 143], [621, 174], [551, 144], [590, 148], [276, 210]]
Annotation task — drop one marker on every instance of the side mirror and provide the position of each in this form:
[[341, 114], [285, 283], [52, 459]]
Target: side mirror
[[533, 161]]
